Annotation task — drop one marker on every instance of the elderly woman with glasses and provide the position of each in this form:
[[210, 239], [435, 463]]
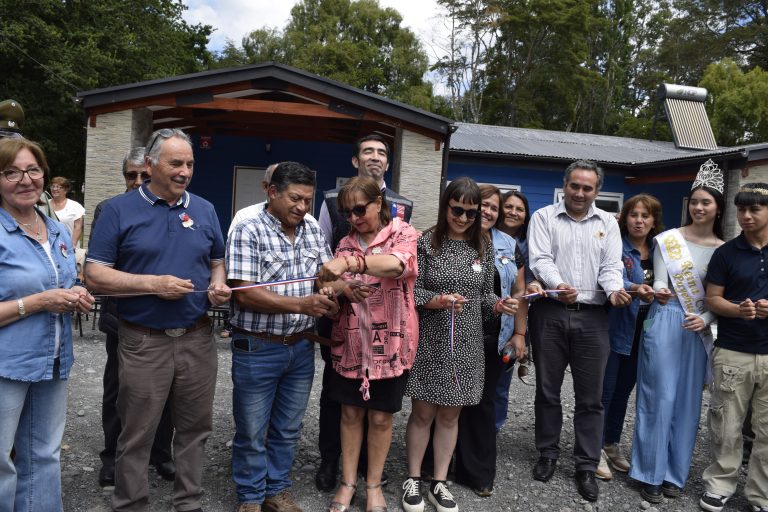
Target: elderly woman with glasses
[[377, 332], [454, 296], [37, 296]]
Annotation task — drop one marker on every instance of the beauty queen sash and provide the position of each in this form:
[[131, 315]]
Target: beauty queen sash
[[687, 284]]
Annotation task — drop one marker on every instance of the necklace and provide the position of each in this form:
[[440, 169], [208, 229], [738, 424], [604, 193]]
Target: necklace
[[38, 236]]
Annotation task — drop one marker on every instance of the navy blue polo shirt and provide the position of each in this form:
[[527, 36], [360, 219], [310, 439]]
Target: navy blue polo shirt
[[743, 271], [140, 233]]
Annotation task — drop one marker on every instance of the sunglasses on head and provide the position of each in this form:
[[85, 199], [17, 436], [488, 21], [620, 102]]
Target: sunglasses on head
[[359, 210], [458, 211], [132, 175]]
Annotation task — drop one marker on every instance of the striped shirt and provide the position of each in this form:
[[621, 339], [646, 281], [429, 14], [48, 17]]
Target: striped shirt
[[259, 251], [585, 254]]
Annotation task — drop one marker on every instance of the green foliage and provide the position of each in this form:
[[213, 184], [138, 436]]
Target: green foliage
[[51, 49]]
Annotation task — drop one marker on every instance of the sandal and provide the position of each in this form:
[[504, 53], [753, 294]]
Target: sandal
[[377, 508], [336, 506]]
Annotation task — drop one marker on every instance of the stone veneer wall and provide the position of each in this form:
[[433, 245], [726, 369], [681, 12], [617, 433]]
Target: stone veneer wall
[[735, 181], [107, 144], [420, 169]]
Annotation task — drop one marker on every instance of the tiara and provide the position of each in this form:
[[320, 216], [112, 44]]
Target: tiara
[[709, 175], [761, 191]]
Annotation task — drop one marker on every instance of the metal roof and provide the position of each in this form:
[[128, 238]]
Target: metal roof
[[546, 144]]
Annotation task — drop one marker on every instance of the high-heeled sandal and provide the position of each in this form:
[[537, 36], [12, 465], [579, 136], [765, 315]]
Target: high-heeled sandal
[[377, 508], [336, 506]]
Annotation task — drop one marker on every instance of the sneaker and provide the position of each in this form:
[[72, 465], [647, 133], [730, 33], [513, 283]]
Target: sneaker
[[412, 500], [615, 457], [249, 507], [713, 502], [603, 472], [282, 502], [671, 490], [441, 497]]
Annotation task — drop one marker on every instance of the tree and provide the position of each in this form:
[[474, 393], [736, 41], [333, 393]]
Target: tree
[[51, 49]]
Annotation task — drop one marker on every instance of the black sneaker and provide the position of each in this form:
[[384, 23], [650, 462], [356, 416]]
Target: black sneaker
[[713, 502], [441, 497], [412, 500], [671, 490]]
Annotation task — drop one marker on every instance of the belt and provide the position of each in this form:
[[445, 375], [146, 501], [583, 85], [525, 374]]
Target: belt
[[201, 322], [576, 306], [287, 339]]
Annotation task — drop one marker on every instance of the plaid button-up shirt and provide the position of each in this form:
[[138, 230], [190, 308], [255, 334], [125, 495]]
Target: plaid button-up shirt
[[259, 251]]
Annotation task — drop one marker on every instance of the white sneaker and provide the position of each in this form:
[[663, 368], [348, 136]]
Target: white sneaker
[[412, 500], [603, 472]]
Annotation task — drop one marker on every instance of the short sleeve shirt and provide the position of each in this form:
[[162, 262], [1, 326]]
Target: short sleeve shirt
[[743, 272], [140, 233]]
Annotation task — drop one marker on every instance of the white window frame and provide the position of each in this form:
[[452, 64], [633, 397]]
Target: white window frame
[[614, 197]]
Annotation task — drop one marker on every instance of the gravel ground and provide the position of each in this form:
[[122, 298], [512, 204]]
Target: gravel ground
[[514, 489]]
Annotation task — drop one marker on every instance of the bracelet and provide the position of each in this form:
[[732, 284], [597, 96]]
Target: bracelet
[[349, 267], [22, 309], [365, 265], [519, 334]]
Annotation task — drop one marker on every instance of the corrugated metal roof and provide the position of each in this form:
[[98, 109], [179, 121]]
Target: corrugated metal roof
[[527, 142]]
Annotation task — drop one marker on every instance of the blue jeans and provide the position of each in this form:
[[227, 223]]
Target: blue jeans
[[271, 390], [502, 396], [619, 381], [32, 415]]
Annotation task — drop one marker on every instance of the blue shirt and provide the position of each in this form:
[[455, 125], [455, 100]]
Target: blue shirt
[[504, 259], [742, 270], [27, 345], [621, 321], [140, 233], [259, 251]]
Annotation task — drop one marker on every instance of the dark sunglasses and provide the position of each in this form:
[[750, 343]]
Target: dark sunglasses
[[458, 211], [132, 175], [359, 210]]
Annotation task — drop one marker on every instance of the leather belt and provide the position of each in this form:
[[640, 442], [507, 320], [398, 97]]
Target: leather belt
[[576, 306], [287, 339], [201, 322]]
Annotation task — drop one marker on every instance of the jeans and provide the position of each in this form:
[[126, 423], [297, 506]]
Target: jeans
[[271, 385], [32, 415]]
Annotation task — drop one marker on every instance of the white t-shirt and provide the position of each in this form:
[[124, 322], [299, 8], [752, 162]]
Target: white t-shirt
[[69, 214]]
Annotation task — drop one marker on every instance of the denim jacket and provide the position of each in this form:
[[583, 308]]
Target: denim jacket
[[27, 345], [504, 259], [621, 321]]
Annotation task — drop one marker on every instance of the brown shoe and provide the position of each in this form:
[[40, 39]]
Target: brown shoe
[[282, 502], [249, 507], [616, 458]]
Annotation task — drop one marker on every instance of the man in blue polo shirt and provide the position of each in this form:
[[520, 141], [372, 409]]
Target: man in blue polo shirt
[[737, 292], [164, 245], [272, 359]]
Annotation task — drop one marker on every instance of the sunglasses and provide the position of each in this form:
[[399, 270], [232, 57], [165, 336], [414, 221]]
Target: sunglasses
[[132, 175], [359, 210], [458, 211]]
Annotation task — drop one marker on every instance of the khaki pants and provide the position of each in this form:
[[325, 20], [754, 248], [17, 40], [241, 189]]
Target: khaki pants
[[740, 378], [152, 367]]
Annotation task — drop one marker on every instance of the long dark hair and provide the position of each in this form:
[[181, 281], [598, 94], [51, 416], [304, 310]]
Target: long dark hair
[[717, 227], [462, 190], [524, 228]]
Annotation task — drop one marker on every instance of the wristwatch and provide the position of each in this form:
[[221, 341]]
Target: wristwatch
[[22, 309]]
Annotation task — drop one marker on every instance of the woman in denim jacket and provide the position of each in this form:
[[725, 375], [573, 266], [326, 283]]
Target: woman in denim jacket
[[37, 297], [476, 444], [640, 220]]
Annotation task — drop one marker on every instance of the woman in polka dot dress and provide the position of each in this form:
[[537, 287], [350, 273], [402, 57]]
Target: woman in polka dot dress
[[455, 273]]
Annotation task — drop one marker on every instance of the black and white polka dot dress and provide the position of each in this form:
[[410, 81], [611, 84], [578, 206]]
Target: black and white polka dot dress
[[455, 269]]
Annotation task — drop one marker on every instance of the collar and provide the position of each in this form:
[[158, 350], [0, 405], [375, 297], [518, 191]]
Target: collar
[[560, 210], [275, 223], [153, 199], [10, 224], [742, 243], [628, 247]]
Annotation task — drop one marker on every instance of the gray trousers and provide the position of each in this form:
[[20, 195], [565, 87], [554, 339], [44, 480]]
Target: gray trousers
[[580, 339], [154, 368]]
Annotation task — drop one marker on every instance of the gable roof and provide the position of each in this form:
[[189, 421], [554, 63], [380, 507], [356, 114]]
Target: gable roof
[[566, 146]]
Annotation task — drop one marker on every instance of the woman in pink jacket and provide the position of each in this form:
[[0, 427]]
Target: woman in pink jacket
[[378, 330]]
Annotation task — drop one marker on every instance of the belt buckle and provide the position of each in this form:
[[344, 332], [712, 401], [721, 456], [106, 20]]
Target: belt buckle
[[573, 307], [284, 339], [175, 333]]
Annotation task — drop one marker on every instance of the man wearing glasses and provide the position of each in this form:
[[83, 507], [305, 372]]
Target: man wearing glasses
[[371, 158], [161, 457], [161, 249], [574, 247]]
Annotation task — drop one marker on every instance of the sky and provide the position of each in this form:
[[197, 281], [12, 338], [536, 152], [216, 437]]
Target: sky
[[235, 18]]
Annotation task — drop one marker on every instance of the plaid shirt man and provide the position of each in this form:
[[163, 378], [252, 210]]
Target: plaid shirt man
[[259, 251]]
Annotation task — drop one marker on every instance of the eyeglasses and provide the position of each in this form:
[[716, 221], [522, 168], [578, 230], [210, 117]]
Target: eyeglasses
[[132, 175], [458, 211], [15, 175], [359, 210]]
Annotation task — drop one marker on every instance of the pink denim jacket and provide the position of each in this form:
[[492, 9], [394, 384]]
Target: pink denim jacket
[[380, 334]]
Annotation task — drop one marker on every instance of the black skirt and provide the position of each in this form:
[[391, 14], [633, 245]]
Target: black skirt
[[386, 394]]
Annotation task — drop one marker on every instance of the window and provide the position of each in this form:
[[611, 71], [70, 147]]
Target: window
[[608, 201]]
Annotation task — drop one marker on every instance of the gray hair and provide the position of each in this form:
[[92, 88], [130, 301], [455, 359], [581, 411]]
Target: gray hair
[[134, 157], [585, 165], [159, 137]]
